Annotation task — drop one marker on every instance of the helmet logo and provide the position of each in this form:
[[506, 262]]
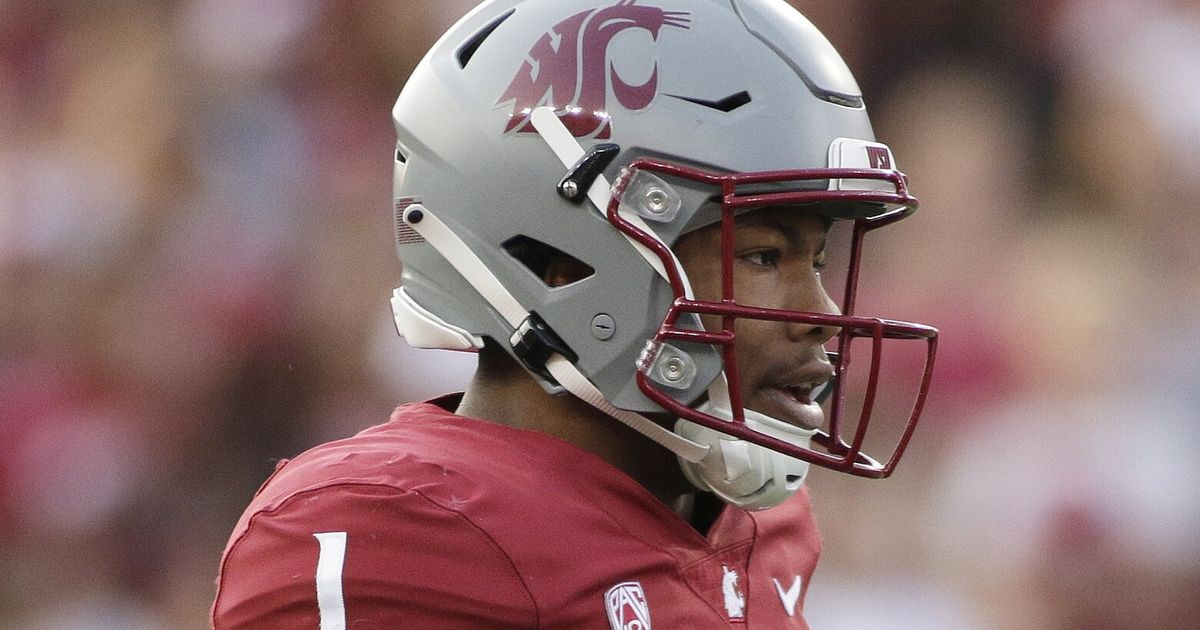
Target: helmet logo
[[569, 70], [878, 157]]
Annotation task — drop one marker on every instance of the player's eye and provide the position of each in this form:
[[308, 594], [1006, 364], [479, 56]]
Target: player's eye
[[763, 257]]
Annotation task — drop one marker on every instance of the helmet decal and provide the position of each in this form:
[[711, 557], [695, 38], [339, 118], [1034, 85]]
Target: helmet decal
[[878, 157], [566, 69]]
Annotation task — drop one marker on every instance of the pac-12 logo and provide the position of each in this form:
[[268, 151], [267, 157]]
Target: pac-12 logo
[[627, 607], [568, 69]]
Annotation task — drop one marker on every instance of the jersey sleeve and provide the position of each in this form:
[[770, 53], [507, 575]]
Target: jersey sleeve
[[367, 556]]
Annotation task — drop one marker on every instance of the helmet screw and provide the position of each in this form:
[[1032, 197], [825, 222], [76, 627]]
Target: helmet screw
[[673, 369], [570, 188], [603, 327], [656, 200]]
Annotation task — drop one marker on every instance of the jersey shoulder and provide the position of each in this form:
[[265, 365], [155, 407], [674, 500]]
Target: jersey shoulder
[[383, 509], [422, 448]]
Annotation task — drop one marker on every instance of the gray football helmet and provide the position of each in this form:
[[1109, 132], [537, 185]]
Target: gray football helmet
[[604, 130]]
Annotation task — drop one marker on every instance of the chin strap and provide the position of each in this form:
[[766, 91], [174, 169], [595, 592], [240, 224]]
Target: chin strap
[[575, 382]]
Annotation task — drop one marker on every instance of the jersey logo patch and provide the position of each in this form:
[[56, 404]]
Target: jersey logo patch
[[790, 596], [735, 602], [627, 607], [568, 69]]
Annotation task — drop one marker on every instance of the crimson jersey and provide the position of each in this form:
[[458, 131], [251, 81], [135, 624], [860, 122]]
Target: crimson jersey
[[433, 520]]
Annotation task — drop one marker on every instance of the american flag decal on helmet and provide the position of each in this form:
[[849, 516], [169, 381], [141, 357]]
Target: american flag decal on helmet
[[627, 607], [405, 234]]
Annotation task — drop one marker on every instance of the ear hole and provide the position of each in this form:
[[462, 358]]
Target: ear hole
[[554, 267]]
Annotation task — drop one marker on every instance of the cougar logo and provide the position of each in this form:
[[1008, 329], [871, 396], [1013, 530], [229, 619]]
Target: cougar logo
[[568, 69], [735, 602]]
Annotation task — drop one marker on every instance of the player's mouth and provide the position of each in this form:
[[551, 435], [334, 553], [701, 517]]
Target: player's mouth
[[793, 400], [793, 404]]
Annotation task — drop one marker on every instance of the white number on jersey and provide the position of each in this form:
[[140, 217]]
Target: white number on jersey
[[329, 580]]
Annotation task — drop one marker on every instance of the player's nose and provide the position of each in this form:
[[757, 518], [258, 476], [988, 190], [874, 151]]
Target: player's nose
[[809, 295]]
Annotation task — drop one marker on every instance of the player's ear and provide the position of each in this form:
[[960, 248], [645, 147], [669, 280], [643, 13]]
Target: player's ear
[[555, 267], [563, 270]]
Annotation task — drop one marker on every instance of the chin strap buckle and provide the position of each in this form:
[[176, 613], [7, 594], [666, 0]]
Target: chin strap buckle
[[534, 342]]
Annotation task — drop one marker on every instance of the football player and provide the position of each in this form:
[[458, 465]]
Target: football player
[[629, 209]]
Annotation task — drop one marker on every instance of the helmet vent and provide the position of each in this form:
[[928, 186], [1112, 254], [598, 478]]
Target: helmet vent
[[726, 105], [853, 102], [554, 267], [467, 50]]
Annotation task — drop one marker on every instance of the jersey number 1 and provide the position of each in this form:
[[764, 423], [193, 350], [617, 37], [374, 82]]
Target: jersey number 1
[[329, 580]]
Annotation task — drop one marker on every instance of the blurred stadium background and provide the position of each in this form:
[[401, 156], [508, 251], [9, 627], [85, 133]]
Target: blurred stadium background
[[195, 259]]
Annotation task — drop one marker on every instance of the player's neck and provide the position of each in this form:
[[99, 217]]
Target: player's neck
[[700, 510], [506, 395]]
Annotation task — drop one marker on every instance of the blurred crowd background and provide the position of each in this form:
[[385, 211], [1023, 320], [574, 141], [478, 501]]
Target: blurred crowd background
[[195, 260]]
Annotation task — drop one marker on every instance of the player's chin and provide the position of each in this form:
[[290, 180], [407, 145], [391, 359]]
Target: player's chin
[[787, 406]]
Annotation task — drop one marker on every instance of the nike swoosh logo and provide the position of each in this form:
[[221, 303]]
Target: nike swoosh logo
[[790, 596]]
